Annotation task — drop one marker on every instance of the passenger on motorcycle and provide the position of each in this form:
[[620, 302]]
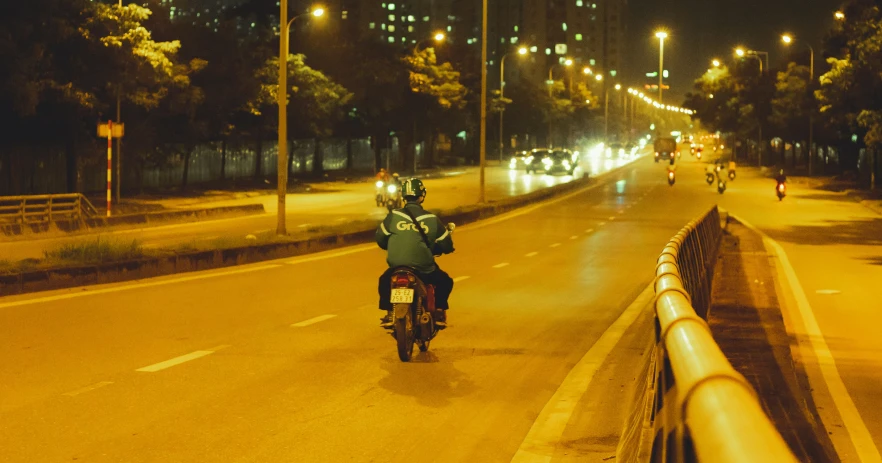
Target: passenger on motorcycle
[[407, 247]]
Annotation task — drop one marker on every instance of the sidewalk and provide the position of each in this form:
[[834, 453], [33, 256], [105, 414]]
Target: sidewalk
[[745, 318]]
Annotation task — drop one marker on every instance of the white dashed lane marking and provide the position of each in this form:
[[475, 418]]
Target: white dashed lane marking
[[554, 245], [458, 279], [313, 321], [590, 230], [88, 388], [573, 237], [530, 254], [503, 264], [179, 360]]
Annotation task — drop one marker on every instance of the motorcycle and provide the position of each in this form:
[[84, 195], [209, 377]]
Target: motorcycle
[[698, 154], [731, 175], [393, 197], [709, 177], [781, 191], [381, 193], [671, 178], [721, 186], [413, 311]]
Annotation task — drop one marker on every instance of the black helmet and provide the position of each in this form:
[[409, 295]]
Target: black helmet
[[413, 188]]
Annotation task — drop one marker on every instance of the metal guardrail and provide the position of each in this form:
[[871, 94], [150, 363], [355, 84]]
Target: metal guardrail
[[704, 410], [45, 208]]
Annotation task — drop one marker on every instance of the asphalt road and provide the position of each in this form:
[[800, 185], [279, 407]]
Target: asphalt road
[[828, 274], [330, 204], [284, 361]]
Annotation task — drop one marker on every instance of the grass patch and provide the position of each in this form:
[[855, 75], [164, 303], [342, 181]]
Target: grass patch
[[95, 251]]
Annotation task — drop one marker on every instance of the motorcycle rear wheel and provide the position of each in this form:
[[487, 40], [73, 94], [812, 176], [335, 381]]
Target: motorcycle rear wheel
[[404, 335]]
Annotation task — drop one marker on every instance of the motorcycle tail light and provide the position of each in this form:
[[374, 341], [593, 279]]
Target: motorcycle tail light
[[402, 280]]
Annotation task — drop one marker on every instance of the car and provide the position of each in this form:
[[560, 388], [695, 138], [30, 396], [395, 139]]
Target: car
[[533, 162], [615, 150], [518, 160], [553, 161], [631, 149]]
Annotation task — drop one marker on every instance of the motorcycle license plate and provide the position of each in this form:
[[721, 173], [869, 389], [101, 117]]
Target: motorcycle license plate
[[402, 295]]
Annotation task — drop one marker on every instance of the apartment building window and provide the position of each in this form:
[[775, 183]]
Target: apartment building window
[[372, 25], [391, 28], [578, 2], [391, 7], [514, 40], [391, 40], [391, 17], [578, 37]]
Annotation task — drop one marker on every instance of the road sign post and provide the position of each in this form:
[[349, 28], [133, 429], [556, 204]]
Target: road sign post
[[110, 131]]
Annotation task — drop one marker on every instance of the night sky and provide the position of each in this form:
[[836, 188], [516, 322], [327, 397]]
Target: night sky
[[700, 30]]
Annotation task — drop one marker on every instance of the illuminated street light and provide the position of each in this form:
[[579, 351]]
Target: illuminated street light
[[587, 71], [788, 39], [662, 35], [439, 37], [839, 15], [521, 51], [739, 51], [568, 62], [618, 86], [282, 101], [599, 77], [716, 63]]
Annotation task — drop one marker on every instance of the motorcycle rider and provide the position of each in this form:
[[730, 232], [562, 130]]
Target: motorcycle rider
[[382, 175], [780, 178], [407, 247]]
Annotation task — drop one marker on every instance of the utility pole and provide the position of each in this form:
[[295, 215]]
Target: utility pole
[[483, 140], [282, 101]]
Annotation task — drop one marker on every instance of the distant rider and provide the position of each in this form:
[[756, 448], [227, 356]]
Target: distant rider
[[406, 247], [781, 178], [382, 176]]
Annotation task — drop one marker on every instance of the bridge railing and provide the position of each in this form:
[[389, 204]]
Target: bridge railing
[[704, 410], [33, 209]]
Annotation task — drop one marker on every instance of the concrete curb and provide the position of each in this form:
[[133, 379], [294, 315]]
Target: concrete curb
[[130, 219], [113, 272]]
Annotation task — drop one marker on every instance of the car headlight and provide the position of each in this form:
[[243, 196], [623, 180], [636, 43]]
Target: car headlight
[[528, 159], [379, 184], [566, 164], [547, 161], [392, 189]]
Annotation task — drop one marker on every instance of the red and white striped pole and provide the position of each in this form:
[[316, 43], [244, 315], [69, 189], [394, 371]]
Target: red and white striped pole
[[109, 164]]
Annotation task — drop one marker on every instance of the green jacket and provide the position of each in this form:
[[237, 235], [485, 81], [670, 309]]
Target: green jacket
[[398, 235]]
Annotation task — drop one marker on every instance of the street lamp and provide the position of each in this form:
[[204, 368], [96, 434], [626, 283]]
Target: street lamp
[[438, 37], [606, 112], [568, 62], [587, 71], [788, 39], [521, 51], [840, 16], [662, 35], [482, 144], [598, 77], [716, 63], [282, 101]]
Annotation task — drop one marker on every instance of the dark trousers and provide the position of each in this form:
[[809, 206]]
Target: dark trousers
[[439, 279]]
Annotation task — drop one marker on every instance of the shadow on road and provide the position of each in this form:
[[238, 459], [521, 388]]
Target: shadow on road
[[746, 321], [832, 232], [431, 380]]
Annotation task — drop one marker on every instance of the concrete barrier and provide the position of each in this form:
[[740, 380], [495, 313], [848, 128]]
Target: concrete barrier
[[74, 276]]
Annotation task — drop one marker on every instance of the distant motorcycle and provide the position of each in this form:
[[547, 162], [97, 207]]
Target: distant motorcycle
[[671, 178], [731, 175], [709, 177], [781, 191], [393, 196], [721, 186], [413, 311], [381, 193]]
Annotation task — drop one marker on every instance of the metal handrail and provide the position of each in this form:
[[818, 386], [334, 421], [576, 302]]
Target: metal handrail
[[712, 413], [45, 208]]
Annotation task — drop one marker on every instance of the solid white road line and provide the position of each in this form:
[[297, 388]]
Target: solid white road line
[[503, 264], [88, 388], [530, 254], [330, 255], [544, 436], [304, 225], [458, 279], [312, 321], [83, 292], [554, 245], [573, 237], [857, 430], [175, 361]]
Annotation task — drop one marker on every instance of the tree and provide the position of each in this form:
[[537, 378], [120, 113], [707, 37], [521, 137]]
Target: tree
[[792, 103]]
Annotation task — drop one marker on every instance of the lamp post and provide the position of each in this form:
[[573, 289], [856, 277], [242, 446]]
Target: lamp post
[[662, 35], [282, 100], [788, 39], [741, 52], [716, 63], [550, 83], [483, 141], [521, 51]]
